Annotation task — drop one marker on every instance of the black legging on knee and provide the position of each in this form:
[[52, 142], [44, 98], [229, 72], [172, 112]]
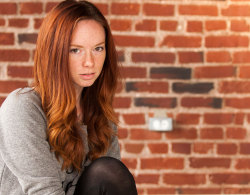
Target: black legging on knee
[[106, 176]]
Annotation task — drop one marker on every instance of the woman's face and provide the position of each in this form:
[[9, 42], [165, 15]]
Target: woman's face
[[87, 53]]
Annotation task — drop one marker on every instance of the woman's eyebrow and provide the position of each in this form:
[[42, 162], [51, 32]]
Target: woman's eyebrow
[[77, 45]]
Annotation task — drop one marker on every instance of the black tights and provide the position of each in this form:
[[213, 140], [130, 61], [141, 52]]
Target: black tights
[[106, 176]]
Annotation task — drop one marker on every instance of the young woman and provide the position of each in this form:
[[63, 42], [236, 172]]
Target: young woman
[[59, 136]]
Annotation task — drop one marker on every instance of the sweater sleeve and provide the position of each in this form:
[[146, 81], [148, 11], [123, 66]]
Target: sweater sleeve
[[114, 149], [24, 148]]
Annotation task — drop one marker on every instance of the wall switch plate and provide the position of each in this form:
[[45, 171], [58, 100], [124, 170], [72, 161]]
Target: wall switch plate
[[160, 124]]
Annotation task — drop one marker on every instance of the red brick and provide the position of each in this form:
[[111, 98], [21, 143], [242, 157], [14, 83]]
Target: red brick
[[8, 8], [227, 148], [6, 38], [236, 133], [133, 72], [161, 190], [134, 119], [122, 133], [9, 86], [31, 8], [209, 162], [121, 25], [18, 22], [234, 87], [218, 56], [197, 102], [144, 134], [211, 133], [158, 148], [184, 178], [236, 10], [242, 163], [151, 9], [146, 25], [200, 191], [239, 26], [2, 22], [194, 26], [168, 25], [241, 57], [49, 6], [122, 102], [20, 71], [125, 8], [151, 87], [240, 103], [2, 100], [244, 148], [226, 41], [239, 118], [190, 57], [162, 163], [134, 148], [230, 178], [244, 71], [134, 41], [103, 7], [38, 22], [181, 148], [214, 72], [218, 118], [131, 163], [153, 57], [181, 41], [214, 25], [155, 102], [187, 118], [14, 55], [199, 10], [147, 179], [182, 133], [236, 190], [203, 148]]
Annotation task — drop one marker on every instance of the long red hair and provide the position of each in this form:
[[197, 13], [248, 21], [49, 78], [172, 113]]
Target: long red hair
[[53, 83]]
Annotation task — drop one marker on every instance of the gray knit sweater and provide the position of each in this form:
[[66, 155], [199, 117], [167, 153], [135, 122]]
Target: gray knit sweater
[[26, 164]]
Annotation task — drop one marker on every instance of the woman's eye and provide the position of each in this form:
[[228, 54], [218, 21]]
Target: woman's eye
[[74, 50], [99, 48]]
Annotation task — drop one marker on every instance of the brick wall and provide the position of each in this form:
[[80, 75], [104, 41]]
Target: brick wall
[[186, 59]]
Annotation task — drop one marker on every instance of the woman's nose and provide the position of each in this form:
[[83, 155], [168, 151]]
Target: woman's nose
[[89, 59]]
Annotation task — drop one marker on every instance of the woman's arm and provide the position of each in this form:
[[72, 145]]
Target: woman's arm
[[24, 148], [114, 149]]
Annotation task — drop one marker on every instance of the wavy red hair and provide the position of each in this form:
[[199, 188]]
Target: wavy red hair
[[54, 84]]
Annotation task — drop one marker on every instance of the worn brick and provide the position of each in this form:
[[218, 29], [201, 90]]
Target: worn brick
[[218, 118], [155, 102], [200, 10], [194, 26], [31, 8], [8, 8], [215, 25], [121, 25], [6, 38], [125, 8], [209, 162], [152, 9], [211, 133], [9, 55], [133, 72], [226, 41], [198, 88], [182, 133], [181, 41], [214, 72], [168, 25], [27, 37], [18, 22], [236, 10], [162, 163], [184, 178], [227, 148], [20, 71], [197, 102], [9, 86], [181, 148], [146, 25], [170, 73], [152, 87], [134, 41], [190, 57], [218, 56]]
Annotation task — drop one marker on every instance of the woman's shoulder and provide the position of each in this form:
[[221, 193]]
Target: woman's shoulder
[[22, 100]]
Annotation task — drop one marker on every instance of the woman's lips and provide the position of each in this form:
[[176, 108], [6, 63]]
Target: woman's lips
[[87, 76]]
